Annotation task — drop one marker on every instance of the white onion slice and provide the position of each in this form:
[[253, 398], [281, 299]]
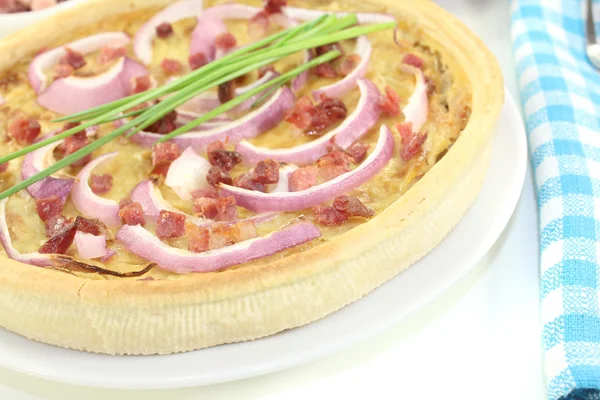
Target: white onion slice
[[417, 108], [294, 201], [252, 124], [74, 94], [363, 118], [89, 44], [187, 173], [142, 44], [90, 204], [347, 83], [141, 242], [90, 246]]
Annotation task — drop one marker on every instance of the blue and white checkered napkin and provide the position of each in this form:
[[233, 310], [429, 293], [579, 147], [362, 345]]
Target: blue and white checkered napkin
[[560, 91]]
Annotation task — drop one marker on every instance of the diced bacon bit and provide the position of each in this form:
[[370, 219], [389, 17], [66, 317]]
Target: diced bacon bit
[[216, 175], [224, 159], [414, 60], [226, 92], [164, 30], [223, 235], [349, 64], [342, 209], [390, 102], [92, 226], [63, 71], [160, 171], [101, 184], [209, 192], [327, 48], [24, 130], [358, 151], [264, 69], [165, 152], [266, 172], [303, 178], [226, 209], [132, 213], [225, 41], [197, 60], [74, 143], [325, 70], [170, 66], [246, 181], [49, 207], [274, 6], [301, 114], [56, 224], [60, 243], [166, 124], [73, 58], [4, 167], [109, 53], [316, 119], [334, 164], [141, 84], [198, 237], [170, 225], [411, 142], [205, 207]]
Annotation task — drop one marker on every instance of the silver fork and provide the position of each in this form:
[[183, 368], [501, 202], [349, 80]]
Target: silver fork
[[593, 48]]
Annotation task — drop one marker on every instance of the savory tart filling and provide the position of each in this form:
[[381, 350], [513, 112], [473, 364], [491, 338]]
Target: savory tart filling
[[284, 170]]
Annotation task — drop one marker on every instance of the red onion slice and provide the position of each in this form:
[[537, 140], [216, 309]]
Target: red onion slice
[[74, 94], [343, 86], [294, 201], [89, 44], [204, 34], [252, 124], [187, 173], [300, 81], [39, 160], [363, 118], [142, 44], [416, 109], [90, 204], [90, 246], [141, 242], [149, 196], [304, 14]]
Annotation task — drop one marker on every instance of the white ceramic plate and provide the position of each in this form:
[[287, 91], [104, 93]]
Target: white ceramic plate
[[455, 256]]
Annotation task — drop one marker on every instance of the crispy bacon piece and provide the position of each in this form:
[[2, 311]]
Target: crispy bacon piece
[[301, 114], [166, 124], [73, 58], [209, 192], [49, 207], [329, 216], [24, 130], [165, 152], [226, 92], [74, 143], [274, 6], [197, 60], [205, 207], [164, 30], [226, 209], [412, 143], [349, 64], [4, 167], [352, 206], [358, 151], [170, 225], [92, 226], [63, 71], [198, 237], [216, 175], [246, 181], [170, 66], [414, 60], [60, 243], [325, 70], [223, 235], [141, 83], [266, 172], [316, 119], [334, 164], [303, 178], [225, 41], [109, 53], [390, 102], [131, 213], [214, 146], [224, 159], [56, 224], [160, 171], [101, 184]]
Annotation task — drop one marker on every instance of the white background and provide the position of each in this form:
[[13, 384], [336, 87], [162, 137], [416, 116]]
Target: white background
[[480, 340]]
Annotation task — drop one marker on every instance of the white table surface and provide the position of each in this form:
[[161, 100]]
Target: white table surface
[[479, 340]]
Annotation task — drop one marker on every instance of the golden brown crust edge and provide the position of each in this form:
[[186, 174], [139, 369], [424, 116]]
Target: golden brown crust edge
[[161, 317]]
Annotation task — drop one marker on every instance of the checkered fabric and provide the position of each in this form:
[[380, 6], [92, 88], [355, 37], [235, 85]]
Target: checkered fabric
[[560, 91]]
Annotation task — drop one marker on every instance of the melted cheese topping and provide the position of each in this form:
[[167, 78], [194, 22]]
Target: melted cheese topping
[[449, 108]]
